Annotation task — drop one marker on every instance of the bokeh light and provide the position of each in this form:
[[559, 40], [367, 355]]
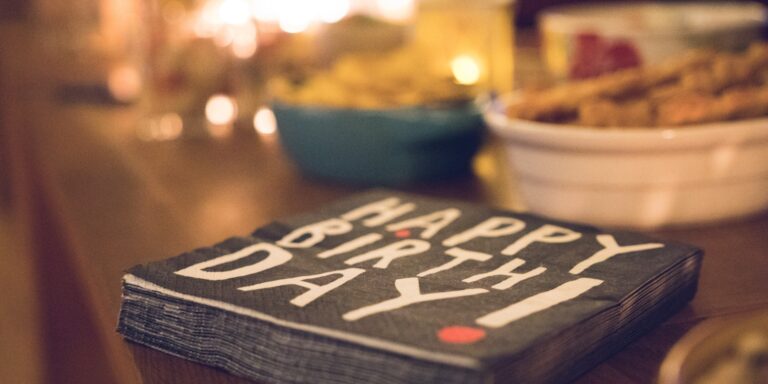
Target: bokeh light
[[265, 10], [168, 126], [296, 16], [264, 121], [234, 12], [333, 10], [245, 41], [221, 109], [395, 10], [124, 83], [465, 70]]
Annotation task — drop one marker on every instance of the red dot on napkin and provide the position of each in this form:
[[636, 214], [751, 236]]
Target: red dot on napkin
[[460, 335]]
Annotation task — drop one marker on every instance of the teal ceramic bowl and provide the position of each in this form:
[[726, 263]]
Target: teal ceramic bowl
[[381, 147]]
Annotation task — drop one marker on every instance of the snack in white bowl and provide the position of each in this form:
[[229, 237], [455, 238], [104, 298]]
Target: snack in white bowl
[[585, 40], [675, 166]]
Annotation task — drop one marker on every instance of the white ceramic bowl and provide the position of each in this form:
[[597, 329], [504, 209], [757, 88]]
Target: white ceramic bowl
[[638, 177]]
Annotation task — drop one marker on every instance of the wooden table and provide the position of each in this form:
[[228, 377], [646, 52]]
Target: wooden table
[[96, 200]]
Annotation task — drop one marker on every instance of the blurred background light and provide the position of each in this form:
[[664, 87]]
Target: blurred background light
[[245, 40], [234, 12], [334, 10], [265, 10], [264, 121], [296, 16], [124, 83], [465, 70], [221, 109], [168, 126], [395, 10]]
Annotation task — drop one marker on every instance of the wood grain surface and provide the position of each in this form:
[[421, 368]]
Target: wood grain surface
[[99, 200]]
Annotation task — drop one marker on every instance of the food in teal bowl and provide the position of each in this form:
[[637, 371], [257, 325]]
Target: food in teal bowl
[[391, 147]]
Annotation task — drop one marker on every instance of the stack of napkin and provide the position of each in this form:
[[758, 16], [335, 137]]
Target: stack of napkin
[[386, 287]]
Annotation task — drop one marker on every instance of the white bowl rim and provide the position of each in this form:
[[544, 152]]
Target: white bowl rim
[[568, 136]]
